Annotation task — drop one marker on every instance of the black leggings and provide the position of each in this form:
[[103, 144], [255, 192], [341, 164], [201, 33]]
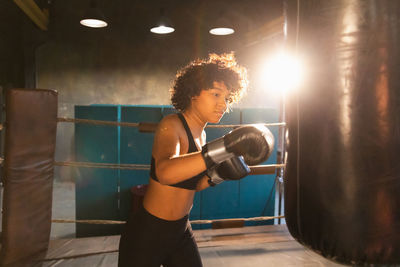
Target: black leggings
[[148, 241]]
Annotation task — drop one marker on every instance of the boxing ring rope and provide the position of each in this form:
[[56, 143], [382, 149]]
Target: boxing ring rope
[[251, 219], [144, 127], [151, 127], [254, 170], [103, 165]]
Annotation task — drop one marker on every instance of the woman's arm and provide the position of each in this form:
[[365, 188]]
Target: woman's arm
[[171, 167]]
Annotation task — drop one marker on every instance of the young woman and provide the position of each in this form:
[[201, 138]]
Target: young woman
[[160, 233]]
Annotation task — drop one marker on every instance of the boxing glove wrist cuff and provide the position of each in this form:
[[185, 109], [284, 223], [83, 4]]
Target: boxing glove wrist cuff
[[215, 152], [213, 181]]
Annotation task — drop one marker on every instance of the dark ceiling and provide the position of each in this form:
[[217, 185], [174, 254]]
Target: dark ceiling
[[130, 20], [128, 43]]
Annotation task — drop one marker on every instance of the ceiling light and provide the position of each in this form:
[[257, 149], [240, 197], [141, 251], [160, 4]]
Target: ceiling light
[[222, 31], [162, 29], [222, 26], [94, 18], [163, 25]]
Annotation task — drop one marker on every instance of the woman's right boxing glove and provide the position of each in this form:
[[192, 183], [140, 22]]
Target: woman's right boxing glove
[[254, 142]]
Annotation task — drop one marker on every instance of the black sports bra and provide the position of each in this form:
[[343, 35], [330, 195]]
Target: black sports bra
[[190, 183]]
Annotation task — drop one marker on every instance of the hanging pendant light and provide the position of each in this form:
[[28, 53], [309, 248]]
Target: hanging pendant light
[[94, 18], [163, 25], [222, 26], [222, 31]]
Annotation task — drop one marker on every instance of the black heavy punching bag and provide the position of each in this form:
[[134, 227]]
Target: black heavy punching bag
[[342, 180]]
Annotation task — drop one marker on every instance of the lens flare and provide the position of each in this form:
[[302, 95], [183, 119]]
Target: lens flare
[[282, 72]]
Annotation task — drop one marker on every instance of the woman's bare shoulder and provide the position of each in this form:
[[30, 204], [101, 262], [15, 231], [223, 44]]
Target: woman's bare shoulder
[[167, 137], [170, 125], [169, 121]]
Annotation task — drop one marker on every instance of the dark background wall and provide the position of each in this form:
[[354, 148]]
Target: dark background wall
[[11, 46], [125, 63]]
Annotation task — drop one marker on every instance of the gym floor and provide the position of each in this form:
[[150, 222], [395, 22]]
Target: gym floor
[[256, 246]]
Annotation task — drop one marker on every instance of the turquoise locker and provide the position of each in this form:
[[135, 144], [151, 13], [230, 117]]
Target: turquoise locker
[[135, 149], [96, 189], [221, 201], [257, 192]]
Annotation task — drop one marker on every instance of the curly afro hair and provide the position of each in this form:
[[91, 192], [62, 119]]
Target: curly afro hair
[[201, 74]]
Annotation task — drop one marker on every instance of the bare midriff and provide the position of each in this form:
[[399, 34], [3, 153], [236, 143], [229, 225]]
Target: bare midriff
[[168, 202]]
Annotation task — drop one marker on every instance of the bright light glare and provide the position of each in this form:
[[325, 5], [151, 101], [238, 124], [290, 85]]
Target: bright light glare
[[282, 73], [94, 23], [162, 29], [222, 31]]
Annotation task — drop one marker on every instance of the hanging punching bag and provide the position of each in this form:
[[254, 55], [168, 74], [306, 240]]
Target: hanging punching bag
[[342, 178]]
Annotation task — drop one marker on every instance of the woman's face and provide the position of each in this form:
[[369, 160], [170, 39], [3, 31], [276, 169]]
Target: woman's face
[[212, 103]]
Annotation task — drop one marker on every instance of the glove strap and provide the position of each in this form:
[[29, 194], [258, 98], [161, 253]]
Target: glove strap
[[215, 152], [213, 178]]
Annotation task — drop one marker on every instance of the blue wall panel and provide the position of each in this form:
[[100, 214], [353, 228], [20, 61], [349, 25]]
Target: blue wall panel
[[257, 192], [96, 189]]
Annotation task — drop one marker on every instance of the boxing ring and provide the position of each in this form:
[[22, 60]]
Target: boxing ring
[[29, 166]]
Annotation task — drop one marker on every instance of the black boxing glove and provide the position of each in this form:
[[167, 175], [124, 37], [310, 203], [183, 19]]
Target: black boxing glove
[[254, 142], [231, 169]]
